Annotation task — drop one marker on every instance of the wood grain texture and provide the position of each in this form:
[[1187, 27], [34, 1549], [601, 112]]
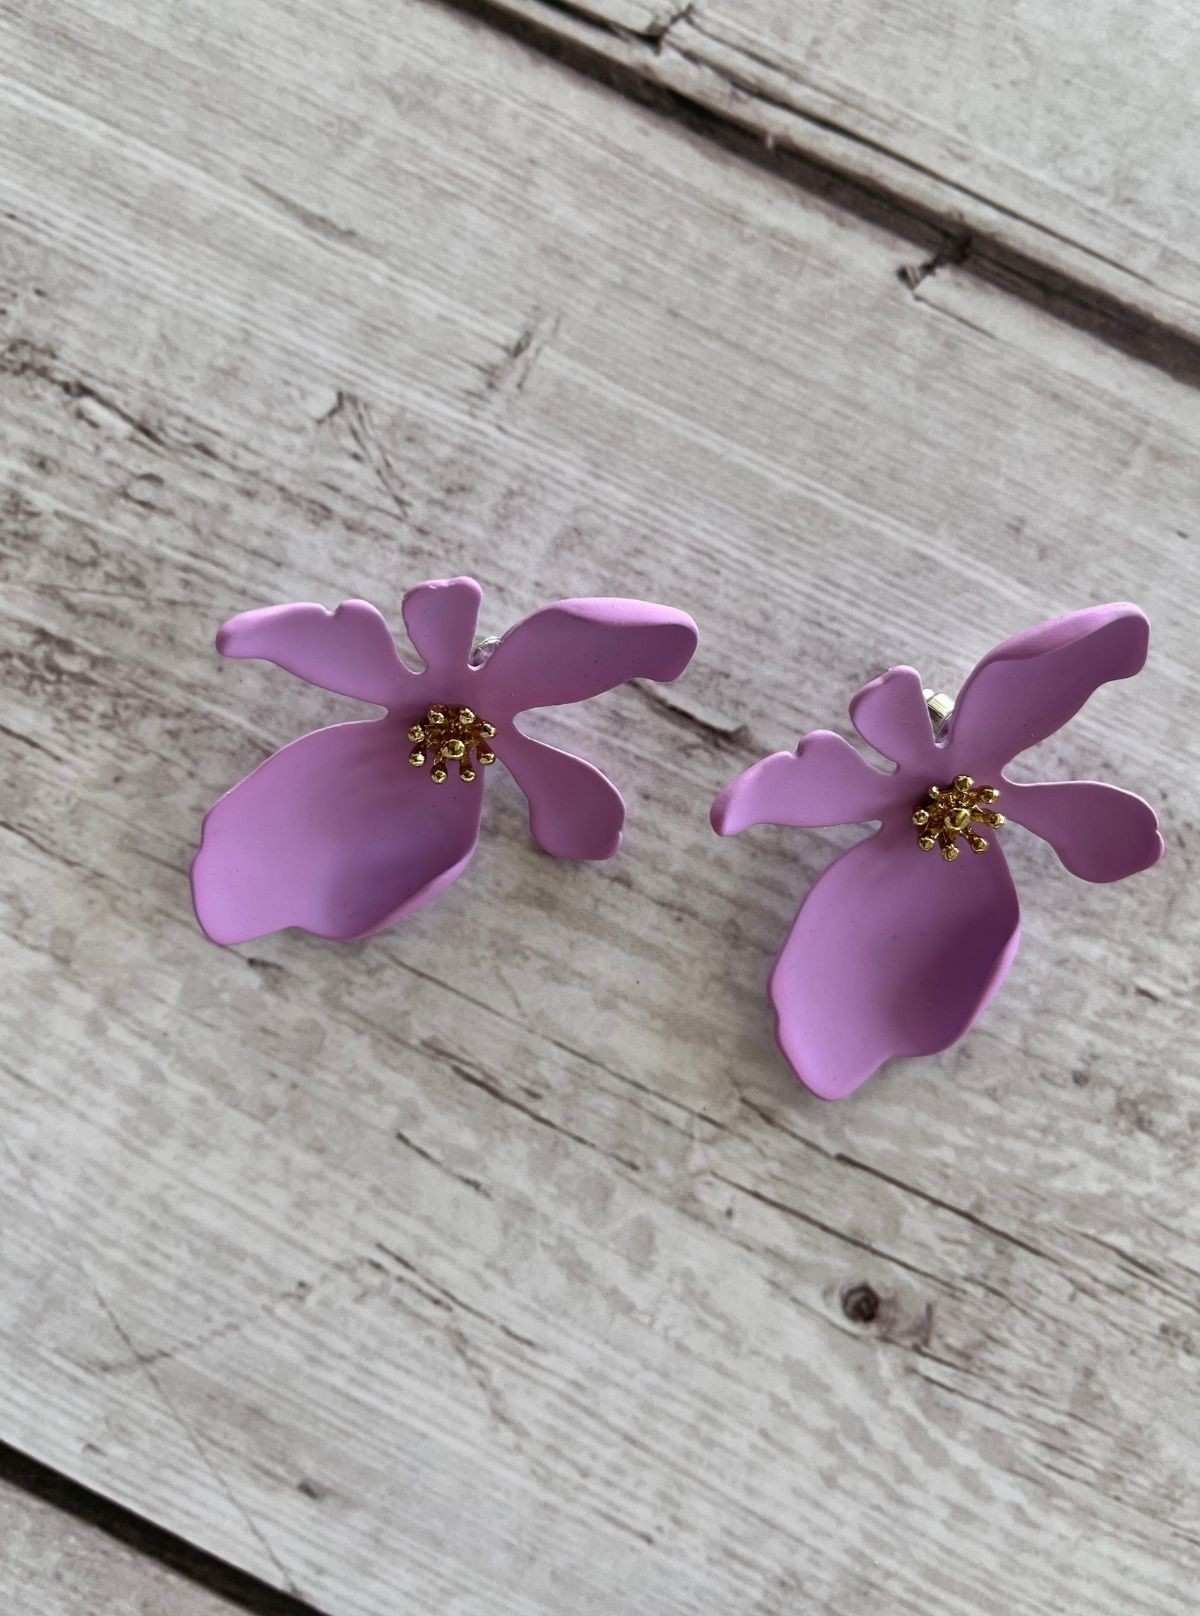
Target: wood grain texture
[[496, 1265], [67, 1549], [53, 1566], [1052, 146]]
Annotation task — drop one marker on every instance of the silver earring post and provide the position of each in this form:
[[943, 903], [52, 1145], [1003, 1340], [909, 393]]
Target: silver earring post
[[484, 646], [940, 707]]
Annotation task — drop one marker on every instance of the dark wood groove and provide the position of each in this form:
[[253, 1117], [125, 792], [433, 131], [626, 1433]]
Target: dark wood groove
[[938, 236], [240, 1589]]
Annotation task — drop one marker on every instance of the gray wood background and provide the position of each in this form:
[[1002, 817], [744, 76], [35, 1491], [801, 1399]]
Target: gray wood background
[[497, 1266]]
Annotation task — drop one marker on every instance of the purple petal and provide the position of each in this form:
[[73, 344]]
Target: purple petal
[[894, 952], [823, 782], [337, 833], [890, 714], [579, 648], [575, 811], [441, 618], [1099, 832], [349, 650], [1033, 684]]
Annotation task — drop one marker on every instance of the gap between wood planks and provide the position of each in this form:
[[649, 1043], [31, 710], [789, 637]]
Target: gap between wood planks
[[630, 62], [240, 1589]]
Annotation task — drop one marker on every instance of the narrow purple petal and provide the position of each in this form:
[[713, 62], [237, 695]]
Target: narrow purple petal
[[441, 618], [890, 714], [894, 952], [349, 650], [1100, 832], [823, 782], [579, 648], [337, 833], [1031, 685], [575, 811]]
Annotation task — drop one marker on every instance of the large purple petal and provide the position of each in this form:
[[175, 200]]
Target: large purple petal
[[575, 811], [349, 650], [890, 714], [441, 617], [1033, 684], [894, 952], [1100, 832], [823, 782], [337, 833], [579, 648]]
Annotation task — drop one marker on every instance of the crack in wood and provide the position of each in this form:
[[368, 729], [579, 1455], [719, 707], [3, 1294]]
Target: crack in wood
[[315, 222], [21, 359], [477, 1080], [713, 727], [440, 1296], [425, 1155], [834, 1232], [955, 250], [511, 372], [946, 1206], [726, 107]]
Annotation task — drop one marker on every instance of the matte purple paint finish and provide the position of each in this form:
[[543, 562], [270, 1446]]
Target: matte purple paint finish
[[895, 952], [337, 832]]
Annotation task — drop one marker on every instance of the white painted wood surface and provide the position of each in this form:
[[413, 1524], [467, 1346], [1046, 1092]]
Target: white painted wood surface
[[1054, 144], [496, 1265]]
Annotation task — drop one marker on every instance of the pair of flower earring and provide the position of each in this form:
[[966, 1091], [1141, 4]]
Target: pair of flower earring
[[899, 945]]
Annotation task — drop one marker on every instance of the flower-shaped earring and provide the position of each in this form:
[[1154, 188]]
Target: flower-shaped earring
[[350, 828], [901, 943]]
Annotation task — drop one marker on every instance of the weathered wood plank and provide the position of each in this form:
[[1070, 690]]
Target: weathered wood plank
[[496, 1265], [53, 1564], [1053, 144]]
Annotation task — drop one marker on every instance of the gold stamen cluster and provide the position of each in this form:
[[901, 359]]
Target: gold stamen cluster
[[947, 812], [450, 735]]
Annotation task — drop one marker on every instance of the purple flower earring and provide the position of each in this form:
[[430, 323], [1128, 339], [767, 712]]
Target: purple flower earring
[[901, 943], [350, 828]]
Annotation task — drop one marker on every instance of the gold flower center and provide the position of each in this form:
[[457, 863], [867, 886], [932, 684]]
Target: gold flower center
[[947, 812], [449, 735]]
